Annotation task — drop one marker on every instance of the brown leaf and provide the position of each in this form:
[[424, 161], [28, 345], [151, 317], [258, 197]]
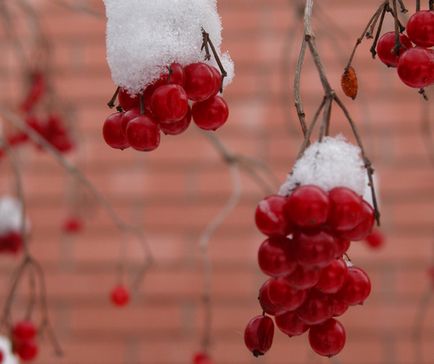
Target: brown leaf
[[349, 82]]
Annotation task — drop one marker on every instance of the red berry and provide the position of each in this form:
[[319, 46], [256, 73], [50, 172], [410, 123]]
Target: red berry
[[420, 28], [127, 117], [364, 228], [126, 101], [11, 242], [24, 331], [357, 287], [120, 296], [1, 357], [304, 277], [339, 306], [149, 91], [112, 132], [169, 103], [316, 249], [177, 127], [218, 80], [333, 277], [307, 207], [269, 216], [342, 246], [143, 133], [327, 339], [201, 358], [210, 114], [316, 309], [416, 67], [386, 48], [290, 324], [200, 83], [259, 334], [72, 225], [176, 74], [275, 258], [345, 209], [27, 350], [376, 239]]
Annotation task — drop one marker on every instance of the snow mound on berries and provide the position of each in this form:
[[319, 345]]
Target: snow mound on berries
[[146, 36], [331, 163], [6, 349], [10, 215]]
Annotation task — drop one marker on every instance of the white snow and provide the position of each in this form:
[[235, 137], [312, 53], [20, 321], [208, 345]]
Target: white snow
[[145, 36], [331, 163], [6, 348], [10, 215]]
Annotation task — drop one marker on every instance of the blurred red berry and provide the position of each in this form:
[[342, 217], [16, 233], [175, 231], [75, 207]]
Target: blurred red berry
[[120, 296]]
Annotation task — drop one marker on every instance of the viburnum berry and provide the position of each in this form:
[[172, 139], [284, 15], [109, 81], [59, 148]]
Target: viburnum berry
[[113, 133], [333, 277], [339, 306], [316, 309], [376, 239], [342, 246], [275, 257], [177, 127], [218, 80], [72, 225], [27, 350], [357, 287], [127, 117], [176, 74], [143, 133], [270, 218], [290, 324], [126, 101], [364, 228], [120, 296], [304, 277], [11, 242], [210, 114], [259, 335], [386, 48], [316, 249], [169, 103], [307, 207], [416, 67], [23, 331], [328, 338], [345, 209], [200, 82], [201, 358], [420, 28]]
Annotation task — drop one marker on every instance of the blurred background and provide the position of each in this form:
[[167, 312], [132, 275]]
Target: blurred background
[[175, 191]]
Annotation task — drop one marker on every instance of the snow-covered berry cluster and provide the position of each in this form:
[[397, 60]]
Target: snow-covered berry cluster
[[165, 58], [11, 240], [23, 336], [415, 64], [309, 228]]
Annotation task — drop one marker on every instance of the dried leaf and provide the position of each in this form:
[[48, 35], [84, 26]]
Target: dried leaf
[[349, 82]]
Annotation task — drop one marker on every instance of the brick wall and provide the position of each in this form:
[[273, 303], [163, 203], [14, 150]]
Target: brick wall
[[176, 190]]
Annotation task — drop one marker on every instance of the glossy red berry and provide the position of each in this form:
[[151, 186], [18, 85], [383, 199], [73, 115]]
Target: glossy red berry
[[176, 74], [290, 324], [376, 239], [357, 287], [126, 101], [345, 209], [307, 207], [259, 335], [120, 296], [270, 218], [143, 134], [218, 80], [27, 350], [127, 117], [177, 127], [72, 225], [275, 257], [113, 133], [342, 246], [420, 28], [304, 277], [316, 309], [210, 114], [333, 277], [200, 83], [316, 249], [169, 103], [327, 339], [24, 331], [282, 295], [364, 228], [386, 48], [339, 306], [416, 67]]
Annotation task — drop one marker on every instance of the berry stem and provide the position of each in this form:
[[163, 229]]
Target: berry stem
[[207, 41], [417, 5], [142, 103], [431, 5], [379, 29], [111, 103], [403, 7], [397, 47]]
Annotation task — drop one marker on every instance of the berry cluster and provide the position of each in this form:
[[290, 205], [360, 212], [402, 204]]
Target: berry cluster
[[415, 64], [164, 106], [309, 232], [24, 340]]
